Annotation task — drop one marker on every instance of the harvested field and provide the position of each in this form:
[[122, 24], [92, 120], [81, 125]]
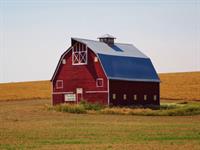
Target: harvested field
[[180, 86], [25, 90], [28, 125]]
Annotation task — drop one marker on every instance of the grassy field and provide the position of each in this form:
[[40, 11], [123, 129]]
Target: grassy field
[[29, 125], [182, 86]]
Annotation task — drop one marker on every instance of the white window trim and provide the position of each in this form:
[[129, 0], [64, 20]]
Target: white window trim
[[99, 79], [59, 87], [86, 57]]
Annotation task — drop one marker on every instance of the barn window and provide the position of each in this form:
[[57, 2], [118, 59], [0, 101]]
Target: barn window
[[99, 82], [95, 59], [155, 97], [64, 61], [124, 97], [113, 96], [135, 97], [59, 84], [79, 54], [145, 97]]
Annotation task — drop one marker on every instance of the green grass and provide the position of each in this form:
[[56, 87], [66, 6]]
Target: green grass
[[165, 109], [29, 125], [78, 109]]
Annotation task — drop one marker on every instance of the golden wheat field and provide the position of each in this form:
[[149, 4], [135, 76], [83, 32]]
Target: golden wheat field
[[183, 86], [25, 90]]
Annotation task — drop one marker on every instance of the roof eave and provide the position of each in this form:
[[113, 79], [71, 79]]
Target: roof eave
[[133, 79]]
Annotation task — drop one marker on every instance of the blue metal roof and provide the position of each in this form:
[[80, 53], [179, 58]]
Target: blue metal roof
[[128, 68], [123, 61]]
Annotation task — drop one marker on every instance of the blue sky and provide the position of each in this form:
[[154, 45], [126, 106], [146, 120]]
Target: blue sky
[[33, 34]]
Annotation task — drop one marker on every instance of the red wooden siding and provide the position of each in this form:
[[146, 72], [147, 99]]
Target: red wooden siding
[[80, 76], [130, 88]]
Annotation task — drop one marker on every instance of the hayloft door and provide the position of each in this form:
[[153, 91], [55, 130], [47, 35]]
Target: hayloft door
[[79, 94]]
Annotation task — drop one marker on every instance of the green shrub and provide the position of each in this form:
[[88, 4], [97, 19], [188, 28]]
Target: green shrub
[[71, 108], [167, 106], [91, 106]]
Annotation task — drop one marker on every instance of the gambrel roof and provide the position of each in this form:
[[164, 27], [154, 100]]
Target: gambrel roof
[[122, 61], [116, 50]]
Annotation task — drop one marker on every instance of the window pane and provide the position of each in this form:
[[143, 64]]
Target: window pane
[[79, 54], [114, 96], [135, 97], [145, 97], [64, 61], [59, 84], [124, 96], [155, 97], [99, 82]]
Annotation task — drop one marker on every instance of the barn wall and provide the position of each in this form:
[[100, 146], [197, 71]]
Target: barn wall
[[130, 88], [58, 98], [80, 76], [101, 98]]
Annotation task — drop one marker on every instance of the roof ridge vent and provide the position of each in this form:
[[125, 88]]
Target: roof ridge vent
[[107, 38]]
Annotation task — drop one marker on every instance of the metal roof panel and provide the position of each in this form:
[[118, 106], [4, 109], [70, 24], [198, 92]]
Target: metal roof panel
[[123, 61], [117, 49], [129, 68]]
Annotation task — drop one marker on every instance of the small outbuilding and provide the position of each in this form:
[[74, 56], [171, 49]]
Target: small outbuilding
[[105, 72]]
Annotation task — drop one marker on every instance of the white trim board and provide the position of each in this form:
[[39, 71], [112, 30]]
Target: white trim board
[[96, 92], [108, 88], [62, 93]]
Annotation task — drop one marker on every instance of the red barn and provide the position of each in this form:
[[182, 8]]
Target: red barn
[[105, 72]]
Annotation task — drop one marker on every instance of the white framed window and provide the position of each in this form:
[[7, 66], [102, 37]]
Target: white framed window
[[124, 96], [145, 97], [95, 59], [155, 97], [99, 82], [79, 54], [70, 97], [64, 61], [59, 84], [135, 97], [113, 96]]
